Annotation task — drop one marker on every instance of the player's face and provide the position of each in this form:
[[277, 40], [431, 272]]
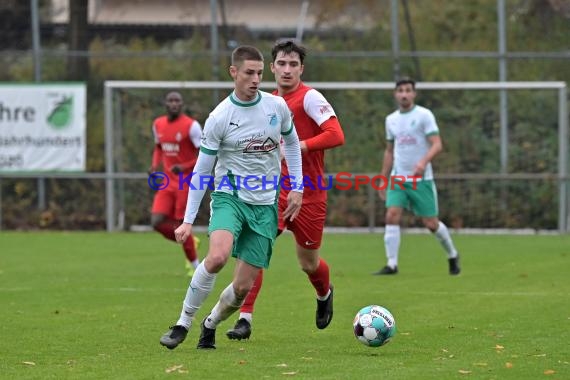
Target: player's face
[[247, 78], [173, 104], [405, 95], [287, 69]]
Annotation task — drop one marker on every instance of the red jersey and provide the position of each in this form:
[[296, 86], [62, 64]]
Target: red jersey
[[310, 111], [179, 142]]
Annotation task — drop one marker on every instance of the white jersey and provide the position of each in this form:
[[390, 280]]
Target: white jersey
[[409, 131], [246, 136]]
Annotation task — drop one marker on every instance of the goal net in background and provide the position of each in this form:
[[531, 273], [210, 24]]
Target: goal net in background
[[488, 176]]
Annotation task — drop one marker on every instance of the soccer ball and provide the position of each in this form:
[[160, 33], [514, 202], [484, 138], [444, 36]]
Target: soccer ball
[[374, 326]]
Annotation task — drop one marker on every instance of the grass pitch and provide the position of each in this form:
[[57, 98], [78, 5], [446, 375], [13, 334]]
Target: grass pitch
[[93, 306]]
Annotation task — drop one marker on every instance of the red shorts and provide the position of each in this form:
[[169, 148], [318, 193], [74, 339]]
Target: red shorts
[[308, 225], [171, 202]]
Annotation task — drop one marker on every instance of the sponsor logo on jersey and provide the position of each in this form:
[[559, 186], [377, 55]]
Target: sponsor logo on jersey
[[407, 140], [170, 147], [261, 146]]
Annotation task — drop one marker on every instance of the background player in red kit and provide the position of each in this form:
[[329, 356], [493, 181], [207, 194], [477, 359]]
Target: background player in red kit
[[177, 142], [318, 129]]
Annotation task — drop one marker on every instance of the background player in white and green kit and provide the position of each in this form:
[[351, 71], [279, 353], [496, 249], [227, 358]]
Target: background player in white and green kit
[[413, 141], [243, 132]]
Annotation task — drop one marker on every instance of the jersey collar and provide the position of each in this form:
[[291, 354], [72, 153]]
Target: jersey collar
[[234, 99]]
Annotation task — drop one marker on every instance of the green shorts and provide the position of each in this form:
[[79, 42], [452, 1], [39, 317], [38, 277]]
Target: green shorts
[[254, 227], [422, 200]]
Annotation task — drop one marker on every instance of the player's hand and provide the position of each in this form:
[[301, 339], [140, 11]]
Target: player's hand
[[182, 232], [176, 169], [420, 168], [294, 203], [382, 194]]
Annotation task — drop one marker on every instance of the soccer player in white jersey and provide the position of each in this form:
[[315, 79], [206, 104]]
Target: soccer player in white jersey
[[413, 141], [243, 132]]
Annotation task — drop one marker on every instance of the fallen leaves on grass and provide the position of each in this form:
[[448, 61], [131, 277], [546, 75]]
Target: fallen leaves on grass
[[549, 372], [174, 368], [281, 365], [29, 363], [464, 372], [499, 347], [480, 364], [508, 365], [293, 373]]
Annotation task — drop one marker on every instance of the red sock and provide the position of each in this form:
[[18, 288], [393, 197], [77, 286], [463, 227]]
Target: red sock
[[190, 249], [320, 278], [247, 306], [166, 228]]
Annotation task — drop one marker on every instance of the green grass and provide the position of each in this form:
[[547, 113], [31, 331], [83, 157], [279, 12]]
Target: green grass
[[93, 306]]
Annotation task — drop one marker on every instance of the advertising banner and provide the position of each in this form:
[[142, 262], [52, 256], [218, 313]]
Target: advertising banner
[[42, 127]]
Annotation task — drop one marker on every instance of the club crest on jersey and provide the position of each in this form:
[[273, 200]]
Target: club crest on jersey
[[261, 146], [178, 136], [272, 119]]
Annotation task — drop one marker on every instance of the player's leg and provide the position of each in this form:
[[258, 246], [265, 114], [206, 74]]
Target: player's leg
[[229, 302], [308, 229], [225, 223], [396, 201], [162, 213], [425, 203], [242, 327], [189, 246], [253, 251]]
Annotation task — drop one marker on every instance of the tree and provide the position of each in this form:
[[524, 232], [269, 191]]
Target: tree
[[78, 61]]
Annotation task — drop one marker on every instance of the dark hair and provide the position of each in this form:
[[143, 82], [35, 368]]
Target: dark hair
[[246, 53], [406, 80], [289, 46]]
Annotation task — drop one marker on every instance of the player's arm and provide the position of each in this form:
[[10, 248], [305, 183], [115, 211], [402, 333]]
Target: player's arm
[[195, 136], [388, 160], [202, 170], [330, 137], [292, 153], [156, 153], [210, 144], [435, 148], [387, 164], [322, 113], [431, 131]]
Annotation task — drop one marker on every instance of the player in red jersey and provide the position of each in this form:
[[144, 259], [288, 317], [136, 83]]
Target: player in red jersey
[[177, 142], [318, 129]]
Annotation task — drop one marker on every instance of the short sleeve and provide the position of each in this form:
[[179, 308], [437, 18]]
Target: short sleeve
[[317, 107], [211, 136]]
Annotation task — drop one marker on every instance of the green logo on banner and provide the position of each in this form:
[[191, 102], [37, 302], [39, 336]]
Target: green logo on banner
[[60, 116]]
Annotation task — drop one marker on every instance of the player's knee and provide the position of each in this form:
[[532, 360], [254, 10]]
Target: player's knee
[[156, 220], [431, 223], [309, 266], [241, 289], [214, 262], [392, 217]]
